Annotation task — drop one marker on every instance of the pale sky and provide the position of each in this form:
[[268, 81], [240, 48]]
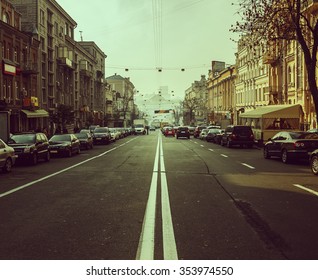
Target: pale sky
[[143, 35]]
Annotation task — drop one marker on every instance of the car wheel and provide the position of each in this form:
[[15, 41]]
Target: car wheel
[[47, 156], [7, 166], [34, 159], [314, 164], [266, 153], [285, 157], [69, 152], [228, 144]]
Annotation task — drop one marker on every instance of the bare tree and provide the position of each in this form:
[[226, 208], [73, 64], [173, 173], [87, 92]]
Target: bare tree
[[192, 104], [273, 21]]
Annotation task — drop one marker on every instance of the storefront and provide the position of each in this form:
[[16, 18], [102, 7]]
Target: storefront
[[266, 121]]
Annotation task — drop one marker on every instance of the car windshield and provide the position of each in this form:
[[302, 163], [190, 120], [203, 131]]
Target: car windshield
[[81, 135], [62, 137], [243, 129], [214, 130], [100, 130], [22, 139], [301, 135], [139, 125]]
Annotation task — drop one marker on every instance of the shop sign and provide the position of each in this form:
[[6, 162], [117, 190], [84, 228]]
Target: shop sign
[[9, 69]]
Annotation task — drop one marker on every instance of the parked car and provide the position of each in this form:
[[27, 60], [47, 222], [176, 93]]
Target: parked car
[[219, 136], [169, 131], [7, 157], [152, 128], [212, 135], [198, 130], [314, 162], [183, 131], [64, 144], [101, 135], [86, 140], [289, 145], [203, 134], [30, 147], [86, 131], [238, 135], [191, 130], [91, 128]]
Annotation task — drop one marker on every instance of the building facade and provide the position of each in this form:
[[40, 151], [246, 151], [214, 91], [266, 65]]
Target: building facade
[[123, 92], [20, 72], [221, 95], [195, 109], [70, 73]]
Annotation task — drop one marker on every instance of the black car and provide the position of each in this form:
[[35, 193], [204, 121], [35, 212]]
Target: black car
[[240, 135], [101, 135], [30, 147], [86, 140], [289, 145], [183, 131], [64, 144], [314, 162]]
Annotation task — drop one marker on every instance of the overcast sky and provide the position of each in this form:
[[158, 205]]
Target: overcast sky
[[144, 35]]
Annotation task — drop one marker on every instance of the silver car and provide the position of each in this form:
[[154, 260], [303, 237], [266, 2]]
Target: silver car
[[7, 157]]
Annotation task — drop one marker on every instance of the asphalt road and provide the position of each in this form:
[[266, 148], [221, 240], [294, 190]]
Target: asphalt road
[[151, 197]]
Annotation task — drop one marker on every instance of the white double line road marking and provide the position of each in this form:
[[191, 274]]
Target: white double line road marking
[[146, 247]]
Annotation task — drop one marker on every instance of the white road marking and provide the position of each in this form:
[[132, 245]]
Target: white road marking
[[169, 242], [223, 155], [195, 142], [59, 172], [202, 146], [146, 244], [211, 150], [247, 165], [306, 189]]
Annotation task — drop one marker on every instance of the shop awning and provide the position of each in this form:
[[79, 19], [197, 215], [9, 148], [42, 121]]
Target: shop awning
[[36, 114], [274, 111]]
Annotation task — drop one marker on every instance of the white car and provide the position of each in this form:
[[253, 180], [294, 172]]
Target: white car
[[7, 157]]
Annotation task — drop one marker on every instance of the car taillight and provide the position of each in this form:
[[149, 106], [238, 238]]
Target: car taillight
[[299, 144], [252, 136], [233, 136]]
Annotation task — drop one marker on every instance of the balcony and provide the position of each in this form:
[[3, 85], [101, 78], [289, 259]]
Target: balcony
[[84, 68], [29, 68], [64, 61], [269, 58]]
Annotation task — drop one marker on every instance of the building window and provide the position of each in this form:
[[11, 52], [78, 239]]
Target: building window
[[42, 17], [56, 28], [6, 18]]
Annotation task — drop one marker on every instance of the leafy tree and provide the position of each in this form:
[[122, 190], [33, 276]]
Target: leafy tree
[[64, 115], [269, 22]]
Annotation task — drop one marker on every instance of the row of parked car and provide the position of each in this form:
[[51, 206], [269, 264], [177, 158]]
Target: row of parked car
[[286, 145], [30, 147]]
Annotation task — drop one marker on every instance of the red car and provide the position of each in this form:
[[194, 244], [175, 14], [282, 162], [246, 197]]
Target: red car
[[169, 132]]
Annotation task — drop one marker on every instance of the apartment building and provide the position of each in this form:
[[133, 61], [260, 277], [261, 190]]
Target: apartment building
[[123, 91], [196, 110], [90, 83], [71, 73], [19, 74], [221, 94], [252, 86]]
